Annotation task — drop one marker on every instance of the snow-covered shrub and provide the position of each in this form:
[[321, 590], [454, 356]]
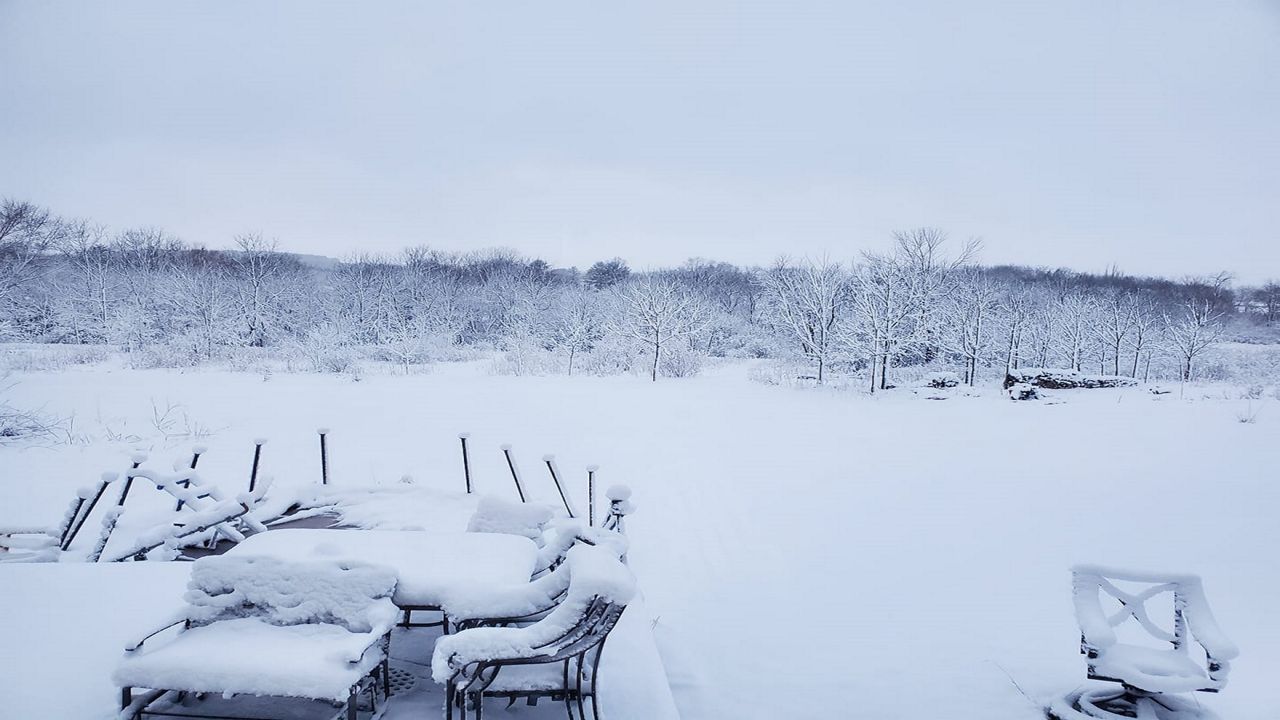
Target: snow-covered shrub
[[680, 362], [165, 355], [1023, 391], [325, 349], [526, 356], [611, 356]]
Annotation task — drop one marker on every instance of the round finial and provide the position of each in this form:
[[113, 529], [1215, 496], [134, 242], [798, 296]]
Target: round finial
[[260, 441], [593, 468], [464, 435], [138, 457], [406, 479], [505, 447], [323, 430], [110, 476], [617, 493], [200, 449], [548, 458]]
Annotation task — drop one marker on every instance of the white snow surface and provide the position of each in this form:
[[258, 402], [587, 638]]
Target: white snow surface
[[928, 542], [426, 565], [279, 592], [497, 515]]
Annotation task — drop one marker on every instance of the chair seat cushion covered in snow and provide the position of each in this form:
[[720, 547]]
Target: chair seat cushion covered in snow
[[268, 627]]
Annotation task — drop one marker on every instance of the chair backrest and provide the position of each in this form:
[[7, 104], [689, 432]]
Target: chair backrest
[[495, 515], [354, 596], [1191, 616], [600, 587]]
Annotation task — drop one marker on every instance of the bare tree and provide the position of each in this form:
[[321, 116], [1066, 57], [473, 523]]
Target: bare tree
[[807, 302], [1193, 331], [264, 279], [1117, 323], [971, 311], [659, 312]]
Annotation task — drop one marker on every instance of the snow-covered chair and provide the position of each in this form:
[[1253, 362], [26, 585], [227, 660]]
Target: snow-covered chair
[[529, 602], [265, 627], [1153, 663], [557, 657]]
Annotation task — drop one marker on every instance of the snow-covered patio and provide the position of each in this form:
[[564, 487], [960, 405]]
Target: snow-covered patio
[[809, 552]]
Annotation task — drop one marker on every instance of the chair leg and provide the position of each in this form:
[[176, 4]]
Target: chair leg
[[386, 679], [582, 712], [126, 697], [568, 699], [352, 701], [479, 705]]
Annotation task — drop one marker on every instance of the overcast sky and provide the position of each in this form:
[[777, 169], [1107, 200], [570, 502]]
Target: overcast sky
[[1139, 133]]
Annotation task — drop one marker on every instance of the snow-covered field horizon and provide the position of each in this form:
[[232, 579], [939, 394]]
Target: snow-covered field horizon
[[815, 551]]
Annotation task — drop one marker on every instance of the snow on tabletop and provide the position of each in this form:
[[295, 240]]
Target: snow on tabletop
[[594, 572], [495, 515], [427, 564]]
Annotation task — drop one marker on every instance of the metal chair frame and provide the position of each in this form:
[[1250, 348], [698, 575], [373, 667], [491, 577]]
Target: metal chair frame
[[577, 649]]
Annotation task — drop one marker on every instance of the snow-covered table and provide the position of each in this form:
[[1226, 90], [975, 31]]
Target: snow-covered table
[[427, 564]]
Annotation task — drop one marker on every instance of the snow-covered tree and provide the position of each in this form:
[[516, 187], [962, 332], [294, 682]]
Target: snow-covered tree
[[807, 302], [659, 312], [1191, 331]]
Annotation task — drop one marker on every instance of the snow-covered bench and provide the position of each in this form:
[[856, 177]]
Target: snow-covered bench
[[557, 657], [1158, 663], [266, 627]]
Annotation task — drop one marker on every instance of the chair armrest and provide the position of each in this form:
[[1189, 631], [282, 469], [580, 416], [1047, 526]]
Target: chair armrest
[[374, 638], [178, 619]]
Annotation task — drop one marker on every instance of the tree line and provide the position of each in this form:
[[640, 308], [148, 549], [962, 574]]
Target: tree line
[[925, 304]]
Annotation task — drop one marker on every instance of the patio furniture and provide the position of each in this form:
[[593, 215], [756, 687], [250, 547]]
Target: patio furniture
[[427, 565], [265, 627], [1154, 662], [557, 657], [529, 602]]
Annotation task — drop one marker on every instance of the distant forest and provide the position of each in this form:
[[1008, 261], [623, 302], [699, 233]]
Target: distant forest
[[926, 305]]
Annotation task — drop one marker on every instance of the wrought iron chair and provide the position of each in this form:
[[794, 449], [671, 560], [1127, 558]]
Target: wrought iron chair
[[557, 657], [1150, 676], [527, 603], [257, 626]]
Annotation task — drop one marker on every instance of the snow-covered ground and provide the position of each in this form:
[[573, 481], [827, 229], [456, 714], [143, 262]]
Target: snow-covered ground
[[814, 553]]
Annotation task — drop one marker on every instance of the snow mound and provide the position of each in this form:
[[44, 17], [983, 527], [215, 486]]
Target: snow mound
[[495, 515], [278, 592]]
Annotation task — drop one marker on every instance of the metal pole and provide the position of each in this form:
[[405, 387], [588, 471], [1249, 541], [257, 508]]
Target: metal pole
[[128, 480], [107, 479], [324, 457], [196, 452], [511, 463], [591, 495], [466, 461], [550, 460], [257, 456]]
